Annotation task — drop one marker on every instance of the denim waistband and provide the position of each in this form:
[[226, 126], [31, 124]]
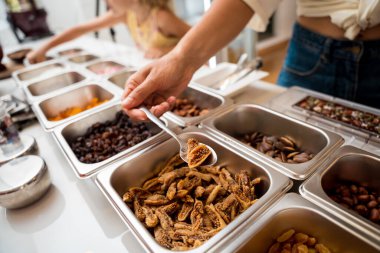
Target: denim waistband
[[345, 49]]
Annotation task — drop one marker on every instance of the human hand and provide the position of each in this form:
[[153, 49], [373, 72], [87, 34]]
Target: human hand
[[156, 86], [36, 56]]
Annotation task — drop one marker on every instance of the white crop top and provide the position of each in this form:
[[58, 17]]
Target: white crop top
[[352, 16]]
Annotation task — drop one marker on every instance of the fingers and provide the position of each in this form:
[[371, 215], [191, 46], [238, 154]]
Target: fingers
[[135, 80], [157, 110]]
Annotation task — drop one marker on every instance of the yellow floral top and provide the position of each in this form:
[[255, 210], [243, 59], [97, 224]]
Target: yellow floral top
[[147, 35]]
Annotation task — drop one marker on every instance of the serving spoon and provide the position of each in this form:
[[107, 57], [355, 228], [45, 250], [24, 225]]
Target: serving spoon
[[211, 160]]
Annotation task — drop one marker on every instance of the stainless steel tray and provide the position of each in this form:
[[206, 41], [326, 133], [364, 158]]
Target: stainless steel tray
[[118, 177], [245, 118], [82, 58], [78, 97], [285, 103], [100, 65], [292, 211], [120, 78], [203, 98], [39, 71], [351, 164], [40, 90], [66, 132]]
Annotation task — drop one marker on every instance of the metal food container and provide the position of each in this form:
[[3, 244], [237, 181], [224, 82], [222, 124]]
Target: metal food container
[[42, 70], [294, 212], [203, 98], [347, 164], [70, 51], [286, 101], [83, 58], [118, 177], [39, 90], [247, 118], [67, 132], [23, 181], [79, 97], [106, 68], [120, 78]]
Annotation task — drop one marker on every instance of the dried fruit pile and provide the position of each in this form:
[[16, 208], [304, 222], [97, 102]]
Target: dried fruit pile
[[283, 149], [360, 119], [293, 242], [75, 110], [187, 108], [103, 140], [183, 207], [357, 197]]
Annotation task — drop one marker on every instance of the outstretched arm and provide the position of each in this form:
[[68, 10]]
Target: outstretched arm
[[107, 20], [156, 84]]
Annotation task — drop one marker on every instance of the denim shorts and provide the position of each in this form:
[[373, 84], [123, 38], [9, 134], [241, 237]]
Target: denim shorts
[[341, 68]]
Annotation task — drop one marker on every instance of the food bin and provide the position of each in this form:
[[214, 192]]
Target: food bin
[[53, 85], [203, 98], [80, 97], [118, 177], [295, 212], [348, 164], [247, 118], [69, 131]]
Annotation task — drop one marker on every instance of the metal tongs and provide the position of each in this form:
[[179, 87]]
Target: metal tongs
[[242, 70]]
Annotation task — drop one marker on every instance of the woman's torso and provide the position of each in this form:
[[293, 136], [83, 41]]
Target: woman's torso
[[341, 19], [147, 35]]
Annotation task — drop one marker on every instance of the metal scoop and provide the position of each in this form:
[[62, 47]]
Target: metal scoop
[[211, 160]]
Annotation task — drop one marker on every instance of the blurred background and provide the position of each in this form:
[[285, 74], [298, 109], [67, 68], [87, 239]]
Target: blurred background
[[60, 15]]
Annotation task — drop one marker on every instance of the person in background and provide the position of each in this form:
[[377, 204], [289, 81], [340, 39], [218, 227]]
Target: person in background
[[335, 49], [153, 26]]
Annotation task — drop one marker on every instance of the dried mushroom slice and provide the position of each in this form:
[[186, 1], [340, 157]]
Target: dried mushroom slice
[[197, 153]]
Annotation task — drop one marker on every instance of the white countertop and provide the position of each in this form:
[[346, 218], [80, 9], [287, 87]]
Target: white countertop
[[74, 216]]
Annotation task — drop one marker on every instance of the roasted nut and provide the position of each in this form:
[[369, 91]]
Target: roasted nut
[[358, 197], [336, 112], [283, 149], [187, 108], [293, 242]]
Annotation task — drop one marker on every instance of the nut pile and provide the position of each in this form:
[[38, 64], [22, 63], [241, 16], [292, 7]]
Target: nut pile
[[103, 140], [283, 149], [293, 242], [357, 197], [184, 207], [71, 111], [187, 108], [360, 119]]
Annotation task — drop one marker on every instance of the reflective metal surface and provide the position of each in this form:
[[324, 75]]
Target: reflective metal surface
[[202, 97], [67, 132], [23, 181], [120, 78], [105, 68], [348, 164], [79, 97], [82, 58], [118, 177], [292, 211], [54, 83], [39, 71], [248, 118]]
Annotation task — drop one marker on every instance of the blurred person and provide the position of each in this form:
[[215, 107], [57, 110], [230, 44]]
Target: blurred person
[[334, 49], [153, 26]]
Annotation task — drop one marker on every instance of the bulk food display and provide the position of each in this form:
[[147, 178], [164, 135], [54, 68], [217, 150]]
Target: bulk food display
[[240, 204]]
